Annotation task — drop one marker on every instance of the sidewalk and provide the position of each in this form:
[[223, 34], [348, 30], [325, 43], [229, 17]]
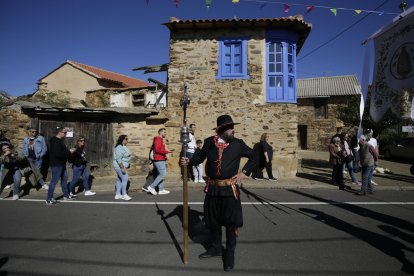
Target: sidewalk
[[314, 173]]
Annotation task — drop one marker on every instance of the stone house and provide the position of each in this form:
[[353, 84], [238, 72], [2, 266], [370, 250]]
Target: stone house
[[76, 78], [318, 99], [245, 68]]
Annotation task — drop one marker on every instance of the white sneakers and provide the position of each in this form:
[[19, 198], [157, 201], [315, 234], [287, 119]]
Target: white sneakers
[[89, 193], [163, 192], [126, 197], [123, 197], [45, 187], [15, 197], [201, 181], [152, 190]]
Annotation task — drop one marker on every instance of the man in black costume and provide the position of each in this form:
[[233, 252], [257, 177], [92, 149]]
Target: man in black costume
[[222, 206]]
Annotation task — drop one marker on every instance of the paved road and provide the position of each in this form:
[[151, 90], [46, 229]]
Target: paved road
[[286, 232]]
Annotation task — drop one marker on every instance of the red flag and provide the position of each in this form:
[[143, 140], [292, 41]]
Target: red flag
[[176, 2], [309, 9], [286, 8]]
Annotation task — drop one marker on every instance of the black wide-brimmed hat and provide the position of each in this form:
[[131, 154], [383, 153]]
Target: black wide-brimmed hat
[[224, 121]]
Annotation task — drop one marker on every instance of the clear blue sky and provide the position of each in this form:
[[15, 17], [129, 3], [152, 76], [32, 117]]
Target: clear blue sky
[[36, 36]]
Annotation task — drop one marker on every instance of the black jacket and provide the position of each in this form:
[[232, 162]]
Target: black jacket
[[58, 152], [230, 161]]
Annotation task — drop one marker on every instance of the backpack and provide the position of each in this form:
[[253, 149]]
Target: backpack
[[151, 153]]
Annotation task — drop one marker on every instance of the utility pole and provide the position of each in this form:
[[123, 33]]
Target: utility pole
[[184, 139]]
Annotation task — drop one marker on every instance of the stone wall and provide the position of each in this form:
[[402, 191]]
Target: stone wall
[[194, 61], [14, 125], [320, 131]]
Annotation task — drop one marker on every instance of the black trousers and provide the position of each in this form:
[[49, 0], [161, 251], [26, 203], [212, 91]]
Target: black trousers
[[216, 237], [268, 167]]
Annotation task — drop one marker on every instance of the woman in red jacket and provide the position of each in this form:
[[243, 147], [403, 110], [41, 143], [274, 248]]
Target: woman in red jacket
[[160, 157]]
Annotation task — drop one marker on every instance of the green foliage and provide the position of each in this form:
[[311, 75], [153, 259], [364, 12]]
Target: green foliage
[[57, 98], [349, 114]]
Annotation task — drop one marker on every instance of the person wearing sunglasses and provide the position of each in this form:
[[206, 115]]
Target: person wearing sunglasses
[[34, 148], [58, 156], [80, 168], [122, 159]]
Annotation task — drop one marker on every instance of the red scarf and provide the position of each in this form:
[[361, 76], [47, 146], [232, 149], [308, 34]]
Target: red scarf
[[221, 147]]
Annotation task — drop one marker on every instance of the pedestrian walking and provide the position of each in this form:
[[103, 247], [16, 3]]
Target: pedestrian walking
[[222, 206], [191, 147], [348, 157], [368, 156], [58, 157], [160, 162], [34, 148], [121, 163], [80, 167], [268, 154], [336, 160]]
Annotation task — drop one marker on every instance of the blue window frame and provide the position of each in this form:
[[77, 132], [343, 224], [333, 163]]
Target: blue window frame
[[232, 63], [281, 66]]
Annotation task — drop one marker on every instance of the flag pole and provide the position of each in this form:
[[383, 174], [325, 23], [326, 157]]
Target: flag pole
[[185, 138]]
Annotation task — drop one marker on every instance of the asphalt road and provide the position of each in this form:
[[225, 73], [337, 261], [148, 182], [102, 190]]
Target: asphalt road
[[286, 232]]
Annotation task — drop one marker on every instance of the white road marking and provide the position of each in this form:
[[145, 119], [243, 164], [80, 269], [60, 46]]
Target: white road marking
[[201, 203]]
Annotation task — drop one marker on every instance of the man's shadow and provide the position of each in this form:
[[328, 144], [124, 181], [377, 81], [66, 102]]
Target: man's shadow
[[197, 230]]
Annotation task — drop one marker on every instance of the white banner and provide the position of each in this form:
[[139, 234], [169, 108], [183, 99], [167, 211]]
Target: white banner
[[394, 65]]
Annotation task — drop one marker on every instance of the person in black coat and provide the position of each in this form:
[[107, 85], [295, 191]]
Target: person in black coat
[[222, 206]]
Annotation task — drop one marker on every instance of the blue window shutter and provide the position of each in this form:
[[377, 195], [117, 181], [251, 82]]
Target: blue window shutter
[[232, 63], [281, 66]]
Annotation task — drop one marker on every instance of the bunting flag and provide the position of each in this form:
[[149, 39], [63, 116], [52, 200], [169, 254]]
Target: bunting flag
[[309, 9], [262, 6], [147, 1], [286, 8], [381, 13], [208, 4], [235, 1], [176, 2], [333, 11], [358, 11]]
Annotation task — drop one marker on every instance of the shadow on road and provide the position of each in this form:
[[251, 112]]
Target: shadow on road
[[197, 230], [381, 242]]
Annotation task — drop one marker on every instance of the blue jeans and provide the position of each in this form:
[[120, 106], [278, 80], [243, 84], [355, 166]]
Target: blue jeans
[[356, 160], [367, 172], [37, 162], [121, 182], [17, 177], [351, 171], [161, 167], [58, 172], [83, 171]]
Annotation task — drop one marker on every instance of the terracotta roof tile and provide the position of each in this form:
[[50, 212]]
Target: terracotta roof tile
[[111, 76]]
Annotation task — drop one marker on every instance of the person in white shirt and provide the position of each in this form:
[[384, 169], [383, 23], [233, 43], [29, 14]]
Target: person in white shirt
[[191, 149], [374, 143]]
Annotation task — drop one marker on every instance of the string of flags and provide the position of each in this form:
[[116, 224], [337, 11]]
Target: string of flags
[[287, 6]]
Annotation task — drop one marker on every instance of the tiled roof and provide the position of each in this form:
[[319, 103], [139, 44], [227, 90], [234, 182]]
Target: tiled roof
[[110, 76], [292, 23], [328, 86]]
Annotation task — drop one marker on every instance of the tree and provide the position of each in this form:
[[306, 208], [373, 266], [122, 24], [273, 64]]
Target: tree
[[350, 116]]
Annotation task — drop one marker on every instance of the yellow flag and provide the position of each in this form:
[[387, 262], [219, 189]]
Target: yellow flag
[[235, 1], [358, 11], [333, 11]]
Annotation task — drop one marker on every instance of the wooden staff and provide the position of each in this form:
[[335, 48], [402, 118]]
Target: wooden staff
[[185, 138]]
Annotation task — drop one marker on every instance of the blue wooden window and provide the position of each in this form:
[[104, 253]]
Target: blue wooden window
[[232, 63], [281, 66]]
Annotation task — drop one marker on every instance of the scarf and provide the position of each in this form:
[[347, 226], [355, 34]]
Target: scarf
[[220, 147]]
